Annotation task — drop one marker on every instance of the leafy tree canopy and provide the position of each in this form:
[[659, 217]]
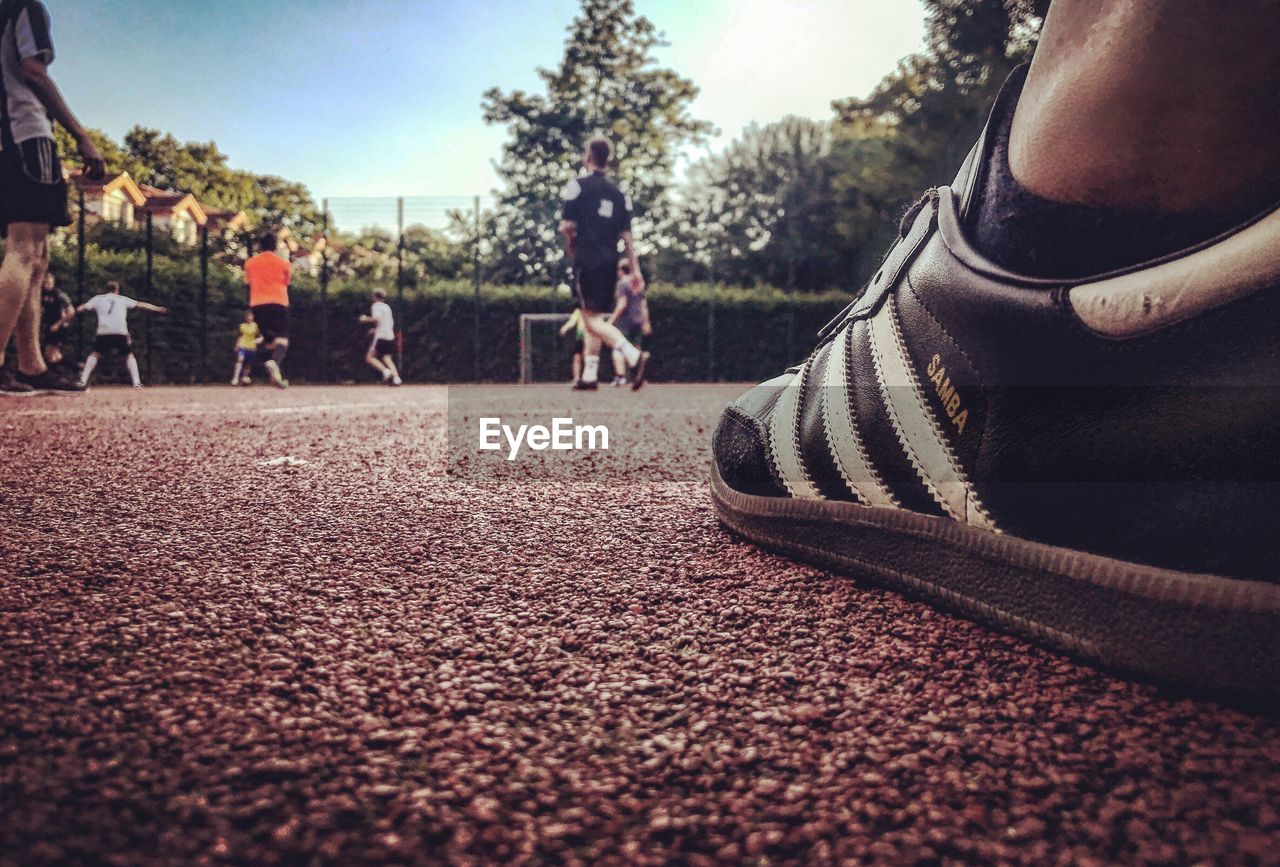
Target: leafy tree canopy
[[606, 84]]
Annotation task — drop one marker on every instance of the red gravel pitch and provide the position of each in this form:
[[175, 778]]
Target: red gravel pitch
[[355, 660]]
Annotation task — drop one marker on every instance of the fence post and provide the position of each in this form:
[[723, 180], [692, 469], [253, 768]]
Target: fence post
[[475, 336], [324, 292], [203, 373], [791, 328], [400, 275], [399, 249], [150, 252], [80, 299], [711, 328]]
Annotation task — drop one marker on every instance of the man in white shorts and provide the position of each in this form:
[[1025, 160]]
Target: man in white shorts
[[113, 309], [382, 348]]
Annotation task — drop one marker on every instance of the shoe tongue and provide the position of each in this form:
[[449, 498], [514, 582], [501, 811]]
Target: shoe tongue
[[969, 180]]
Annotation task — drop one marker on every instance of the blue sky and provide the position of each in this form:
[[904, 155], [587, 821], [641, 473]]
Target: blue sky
[[382, 97]]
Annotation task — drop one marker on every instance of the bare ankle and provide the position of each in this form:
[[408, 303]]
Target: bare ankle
[[1127, 109]]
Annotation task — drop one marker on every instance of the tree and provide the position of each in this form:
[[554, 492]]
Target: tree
[[760, 211], [278, 202], [915, 128], [115, 158], [202, 169], [607, 84]]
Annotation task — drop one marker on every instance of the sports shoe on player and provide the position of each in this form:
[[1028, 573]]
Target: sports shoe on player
[[1090, 463], [50, 380], [637, 371], [396, 381], [277, 378], [12, 386], [579, 385]]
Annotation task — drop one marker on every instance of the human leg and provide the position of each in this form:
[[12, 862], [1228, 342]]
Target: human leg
[[25, 261], [90, 363], [393, 374], [590, 354], [1200, 87], [372, 360]]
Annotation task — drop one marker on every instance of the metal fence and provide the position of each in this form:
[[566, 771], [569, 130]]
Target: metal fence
[[361, 244], [198, 268]]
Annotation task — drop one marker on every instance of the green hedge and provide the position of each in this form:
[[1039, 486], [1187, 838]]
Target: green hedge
[[756, 332]]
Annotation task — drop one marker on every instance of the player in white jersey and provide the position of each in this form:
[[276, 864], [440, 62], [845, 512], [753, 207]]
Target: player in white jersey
[[382, 348], [112, 310]]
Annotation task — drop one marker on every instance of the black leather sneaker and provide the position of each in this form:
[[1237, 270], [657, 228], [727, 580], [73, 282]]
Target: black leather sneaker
[[49, 381], [11, 386], [1093, 464]]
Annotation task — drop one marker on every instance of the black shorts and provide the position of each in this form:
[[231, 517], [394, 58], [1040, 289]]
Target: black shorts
[[104, 343], [594, 287], [273, 321], [32, 189], [380, 348]]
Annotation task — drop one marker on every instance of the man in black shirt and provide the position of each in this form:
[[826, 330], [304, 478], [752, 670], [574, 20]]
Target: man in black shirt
[[56, 310], [594, 218]]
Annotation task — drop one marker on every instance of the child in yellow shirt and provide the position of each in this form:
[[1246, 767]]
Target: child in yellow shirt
[[246, 349]]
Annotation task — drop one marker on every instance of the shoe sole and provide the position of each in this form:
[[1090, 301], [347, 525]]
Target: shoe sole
[[1205, 632], [41, 392]]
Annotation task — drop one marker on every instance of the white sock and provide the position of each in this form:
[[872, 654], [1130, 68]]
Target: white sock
[[235, 377], [591, 368], [132, 364], [89, 364], [629, 352]]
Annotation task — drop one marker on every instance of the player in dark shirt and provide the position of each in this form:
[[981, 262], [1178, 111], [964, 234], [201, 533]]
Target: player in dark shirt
[[56, 310], [595, 217]]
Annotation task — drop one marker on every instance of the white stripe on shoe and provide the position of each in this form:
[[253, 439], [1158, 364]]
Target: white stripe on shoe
[[784, 436], [917, 428], [841, 429]]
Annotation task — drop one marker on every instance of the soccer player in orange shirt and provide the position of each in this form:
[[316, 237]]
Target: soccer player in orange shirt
[[268, 276]]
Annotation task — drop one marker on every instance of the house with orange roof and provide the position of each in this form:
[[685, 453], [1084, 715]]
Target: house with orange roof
[[223, 222], [115, 198], [178, 214]]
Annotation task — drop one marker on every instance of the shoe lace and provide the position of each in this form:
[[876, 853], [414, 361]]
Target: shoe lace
[[905, 223]]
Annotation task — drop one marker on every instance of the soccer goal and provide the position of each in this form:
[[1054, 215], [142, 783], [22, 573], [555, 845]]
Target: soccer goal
[[545, 356]]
